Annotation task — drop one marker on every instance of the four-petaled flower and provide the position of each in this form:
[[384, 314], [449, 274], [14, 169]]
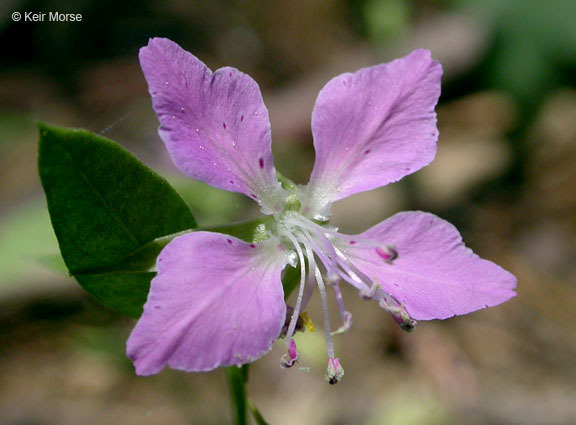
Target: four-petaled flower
[[219, 301]]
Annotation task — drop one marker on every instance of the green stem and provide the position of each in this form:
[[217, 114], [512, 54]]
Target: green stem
[[237, 378], [256, 414]]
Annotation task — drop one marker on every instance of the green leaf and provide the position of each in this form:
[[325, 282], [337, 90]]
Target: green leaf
[[144, 260], [105, 205], [138, 269], [124, 292]]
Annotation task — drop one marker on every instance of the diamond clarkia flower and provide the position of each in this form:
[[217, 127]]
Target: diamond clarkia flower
[[217, 300]]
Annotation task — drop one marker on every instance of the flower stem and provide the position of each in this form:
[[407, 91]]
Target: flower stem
[[256, 414], [237, 378]]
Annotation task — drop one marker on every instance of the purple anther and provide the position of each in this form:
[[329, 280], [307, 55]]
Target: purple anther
[[388, 253], [404, 320], [334, 371], [288, 360]]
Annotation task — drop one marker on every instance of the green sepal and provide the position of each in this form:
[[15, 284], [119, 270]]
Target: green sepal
[[290, 280], [286, 183], [292, 202], [255, 230]]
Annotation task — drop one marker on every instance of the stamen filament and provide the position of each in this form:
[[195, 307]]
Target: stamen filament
[[302, 221], [344, 314], [386, 301], [353, 271], [330, 266], [309, 240], [327, 333], [317, 232], [311, 269], [296, 312]]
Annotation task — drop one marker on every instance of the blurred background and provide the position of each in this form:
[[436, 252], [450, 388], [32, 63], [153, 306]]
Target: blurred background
[[505, 175]]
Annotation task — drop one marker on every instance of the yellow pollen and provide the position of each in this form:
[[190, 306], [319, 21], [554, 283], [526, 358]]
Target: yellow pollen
[[307, 322]]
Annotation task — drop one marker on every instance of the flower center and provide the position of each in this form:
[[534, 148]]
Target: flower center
[[312, 242]]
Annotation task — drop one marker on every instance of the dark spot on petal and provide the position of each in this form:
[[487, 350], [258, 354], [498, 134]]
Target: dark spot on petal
[[231, 181], [367, 151], [241, 118], [157, 307], [254, 196], [352, 242], [224, 125], [406, 169], [229, 241], [252, 245], [230, 74], [261, 162]]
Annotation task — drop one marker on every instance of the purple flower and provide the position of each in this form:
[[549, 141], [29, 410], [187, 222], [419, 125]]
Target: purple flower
[[219, 301]]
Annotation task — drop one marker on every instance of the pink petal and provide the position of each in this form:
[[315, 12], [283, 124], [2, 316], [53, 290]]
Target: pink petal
[[215, 125], [435, 275], [216, 301], [373, 127]]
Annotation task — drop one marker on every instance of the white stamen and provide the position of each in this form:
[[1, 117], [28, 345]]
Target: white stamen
[[327, 333], [331, 257], [309, 240], [329, 264], [336, 261], [311, 271], [344, 314], [368, 295], [296, 312]]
